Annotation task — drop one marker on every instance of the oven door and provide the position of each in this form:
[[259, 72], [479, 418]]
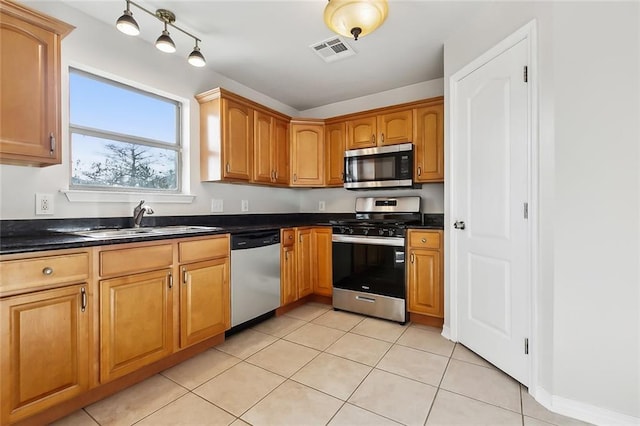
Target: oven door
[[369, 264]]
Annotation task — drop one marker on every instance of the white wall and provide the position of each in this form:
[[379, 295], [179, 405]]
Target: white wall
[[98, 46], [589, 194]]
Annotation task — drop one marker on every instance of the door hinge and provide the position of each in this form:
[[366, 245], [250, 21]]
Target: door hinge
[[526, 346], [526, 210], [526, 74]]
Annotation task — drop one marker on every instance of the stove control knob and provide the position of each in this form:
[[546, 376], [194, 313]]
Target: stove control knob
[[351, 230], [343, 230], [380, 231], [365, 231], [391, 232]]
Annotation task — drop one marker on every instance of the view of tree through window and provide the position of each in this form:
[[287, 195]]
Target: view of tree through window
[[121, 137]]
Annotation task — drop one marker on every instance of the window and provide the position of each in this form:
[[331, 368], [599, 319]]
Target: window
[[121, 137]]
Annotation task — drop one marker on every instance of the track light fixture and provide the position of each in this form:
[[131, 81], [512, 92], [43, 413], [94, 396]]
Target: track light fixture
[[128, 25]]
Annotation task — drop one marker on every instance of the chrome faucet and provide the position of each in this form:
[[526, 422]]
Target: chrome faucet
[[139, 212]]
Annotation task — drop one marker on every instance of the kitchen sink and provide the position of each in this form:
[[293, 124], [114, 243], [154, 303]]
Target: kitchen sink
[[110, 233]]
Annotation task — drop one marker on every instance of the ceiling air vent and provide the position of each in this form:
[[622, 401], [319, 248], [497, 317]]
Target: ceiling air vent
[[332, 49]]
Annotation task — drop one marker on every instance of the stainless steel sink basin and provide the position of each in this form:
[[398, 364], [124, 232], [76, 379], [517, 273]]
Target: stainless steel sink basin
[[146, 231]]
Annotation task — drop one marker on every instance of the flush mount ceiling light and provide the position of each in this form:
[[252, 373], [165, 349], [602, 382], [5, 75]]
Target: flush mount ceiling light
[[128, 25], [355, 18]]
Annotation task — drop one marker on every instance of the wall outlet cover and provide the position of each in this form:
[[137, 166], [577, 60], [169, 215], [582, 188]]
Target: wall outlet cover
[[321, 206], [44, 204], [217, 205], [244, 205]]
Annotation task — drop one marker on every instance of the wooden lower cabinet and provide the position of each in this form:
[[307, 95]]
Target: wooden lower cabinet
[[136, 322], [45, 350], [288, 285], [425, 283], [321, 254], [204, 300], [304, 262]]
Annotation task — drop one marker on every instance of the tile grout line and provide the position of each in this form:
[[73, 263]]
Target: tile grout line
[[439, 384]]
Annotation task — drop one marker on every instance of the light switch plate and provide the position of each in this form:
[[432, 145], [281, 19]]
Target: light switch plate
[[217, 205], [321, 206], [244, 205]]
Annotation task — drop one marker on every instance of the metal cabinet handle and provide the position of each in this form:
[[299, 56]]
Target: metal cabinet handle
[[342, 176], [373, 139], [47, 271], [413, 258], [228, 168], [83, 296], [170, 280], [424, 240], [381, 137], [419, 170], [52, 143], [286, 255], [291, 237], [295, 177], [184, 276]]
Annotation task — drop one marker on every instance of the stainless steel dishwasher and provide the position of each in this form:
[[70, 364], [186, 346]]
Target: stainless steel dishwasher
[[255, 275]]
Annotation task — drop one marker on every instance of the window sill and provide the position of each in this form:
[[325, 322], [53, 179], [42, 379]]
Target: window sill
[[80, 196]]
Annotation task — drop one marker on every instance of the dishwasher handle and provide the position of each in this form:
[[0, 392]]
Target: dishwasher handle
[[254, 239]]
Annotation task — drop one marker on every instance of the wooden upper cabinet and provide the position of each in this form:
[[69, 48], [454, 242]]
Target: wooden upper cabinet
[[361, 132], [281, 151], [263, 147], [307, 153], [30, 80], [429, 143], [335, 135], [237, 138], [395, 127]]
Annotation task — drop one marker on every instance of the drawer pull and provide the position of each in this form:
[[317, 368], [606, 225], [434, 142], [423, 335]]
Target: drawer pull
[[170, 280], [419, 170], [184, 276], [424, 240], [413, 258], [83, 296], [47, 271]]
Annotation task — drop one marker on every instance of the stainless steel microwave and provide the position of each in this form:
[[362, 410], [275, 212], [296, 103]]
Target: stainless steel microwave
[[381, 167]]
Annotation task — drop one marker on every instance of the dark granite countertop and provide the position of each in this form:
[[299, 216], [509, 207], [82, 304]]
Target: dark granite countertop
[[25, 236]]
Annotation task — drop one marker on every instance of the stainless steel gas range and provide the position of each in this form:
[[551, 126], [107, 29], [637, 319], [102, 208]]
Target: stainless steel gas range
[[369, 257]]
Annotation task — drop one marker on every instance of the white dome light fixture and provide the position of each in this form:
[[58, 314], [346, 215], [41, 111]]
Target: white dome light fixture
[[128, 25], [355, 18]]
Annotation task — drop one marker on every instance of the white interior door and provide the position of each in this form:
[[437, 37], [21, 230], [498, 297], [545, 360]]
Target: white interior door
[[489, 192]]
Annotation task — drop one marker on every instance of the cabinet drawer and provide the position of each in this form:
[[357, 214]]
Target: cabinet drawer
[[193, 251], [288, 237], [26, 274], [125, 261], [424, 239]]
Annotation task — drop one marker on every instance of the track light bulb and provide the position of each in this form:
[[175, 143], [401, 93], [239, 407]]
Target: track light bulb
[[165, 43], [127, 24], [196, 58]]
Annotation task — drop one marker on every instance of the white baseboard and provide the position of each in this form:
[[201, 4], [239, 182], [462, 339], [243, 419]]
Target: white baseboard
[[446, 332], [583, 411]]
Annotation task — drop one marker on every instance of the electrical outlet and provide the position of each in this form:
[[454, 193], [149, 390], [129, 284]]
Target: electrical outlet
[[44, 204], [244, 205], [217, 205], [321, 206]]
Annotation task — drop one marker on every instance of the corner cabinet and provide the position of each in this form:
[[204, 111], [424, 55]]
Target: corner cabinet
[[424, 271], [44, 333], [30, 101], [307, 153], [429, 142]]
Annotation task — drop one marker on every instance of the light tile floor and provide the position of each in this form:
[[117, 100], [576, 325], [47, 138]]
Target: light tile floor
[[316, 366]]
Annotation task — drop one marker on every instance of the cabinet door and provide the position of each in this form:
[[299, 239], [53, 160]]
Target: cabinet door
[[288, 288], [281, 151], [323, 273], [237, 140], [429, 144], [30, 101], [135, 322], [335, 135], [204, 301], [307, 152], [304, 262], [262, 147], [425, 286], [361, 132], [395, 127], [45, 350]]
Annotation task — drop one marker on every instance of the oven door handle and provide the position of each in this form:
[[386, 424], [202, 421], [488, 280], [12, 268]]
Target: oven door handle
[[363, 239]]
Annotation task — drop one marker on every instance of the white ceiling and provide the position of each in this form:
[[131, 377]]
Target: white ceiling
[[265, 44]]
